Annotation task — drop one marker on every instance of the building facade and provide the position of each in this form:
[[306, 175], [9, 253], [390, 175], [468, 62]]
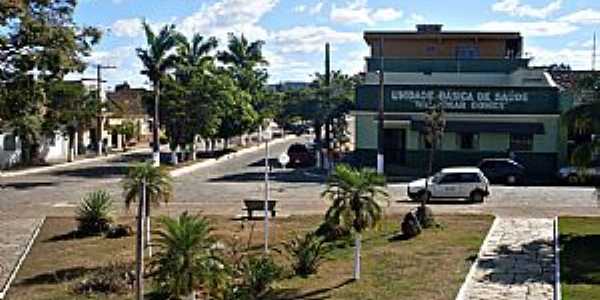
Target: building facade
[[494, 104]]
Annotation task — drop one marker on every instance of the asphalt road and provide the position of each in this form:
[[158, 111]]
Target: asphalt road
[[220, 189]]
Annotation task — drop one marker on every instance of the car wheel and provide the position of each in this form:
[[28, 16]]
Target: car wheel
[[573, 179], [476, 197], [511, 179]]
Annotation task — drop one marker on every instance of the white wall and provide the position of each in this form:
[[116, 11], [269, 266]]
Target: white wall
[[9, 158]]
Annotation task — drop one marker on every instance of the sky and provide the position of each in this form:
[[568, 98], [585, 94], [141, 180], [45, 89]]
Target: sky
[[295, 31]]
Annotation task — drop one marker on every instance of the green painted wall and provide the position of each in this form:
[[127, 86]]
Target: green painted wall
[[494, 141], [548, 142], [366, 132]]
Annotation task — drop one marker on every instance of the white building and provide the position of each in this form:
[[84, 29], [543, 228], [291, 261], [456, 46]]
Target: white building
[[54, 148]]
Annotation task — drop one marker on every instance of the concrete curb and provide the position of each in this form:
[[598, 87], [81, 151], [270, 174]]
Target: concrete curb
[[557, 289], [463, 287], [209, 162], [15, 270], [69, 164]]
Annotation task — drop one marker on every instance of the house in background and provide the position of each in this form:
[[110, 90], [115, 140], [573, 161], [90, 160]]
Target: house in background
[[125, 104], [54, 148]]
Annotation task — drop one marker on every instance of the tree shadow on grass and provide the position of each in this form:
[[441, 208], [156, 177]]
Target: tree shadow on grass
[[317, 294], [28, 185], [71, 235], [58, 276], [580, 259]]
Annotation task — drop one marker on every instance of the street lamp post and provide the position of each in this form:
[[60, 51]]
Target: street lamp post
[[267, 137]]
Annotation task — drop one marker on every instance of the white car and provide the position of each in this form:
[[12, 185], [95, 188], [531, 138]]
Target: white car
[[464, 182]]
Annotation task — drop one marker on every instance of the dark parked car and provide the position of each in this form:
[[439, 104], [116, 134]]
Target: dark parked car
[[502, 170], [300, 156]]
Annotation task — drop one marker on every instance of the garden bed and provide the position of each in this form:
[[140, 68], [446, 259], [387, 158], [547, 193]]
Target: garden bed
[[580, 257], [431, 266]]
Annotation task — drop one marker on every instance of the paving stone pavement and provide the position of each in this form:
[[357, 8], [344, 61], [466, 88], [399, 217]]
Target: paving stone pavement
[[516, 262], [15, 235]]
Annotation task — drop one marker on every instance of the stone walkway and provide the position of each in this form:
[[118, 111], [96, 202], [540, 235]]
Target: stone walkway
[[15, 235], [516, 262]]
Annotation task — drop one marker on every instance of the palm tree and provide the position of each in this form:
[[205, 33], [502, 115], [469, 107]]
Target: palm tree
[[435, 123], [194, 53], [186, 258], [157, 61], [158, 188], [356, 198], [243, 54]]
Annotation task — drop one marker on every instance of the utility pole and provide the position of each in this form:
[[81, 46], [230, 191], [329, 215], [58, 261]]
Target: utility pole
[[594, 54], [327, 103], [100, 119], [381, 115]]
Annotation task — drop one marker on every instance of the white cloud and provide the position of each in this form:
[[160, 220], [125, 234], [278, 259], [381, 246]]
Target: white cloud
[[300, 8], [585, 17], [358, 12], [309, 39], [127, 28], [316, 9], [415, 18], [542, 28], [226, 16], [578, 59], [515, 8]]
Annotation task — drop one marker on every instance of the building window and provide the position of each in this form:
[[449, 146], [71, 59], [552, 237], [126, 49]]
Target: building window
[[467, 141], [521, 142], [10, 143], [467, 52]]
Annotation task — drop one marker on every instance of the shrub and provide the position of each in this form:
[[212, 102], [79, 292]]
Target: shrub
[[410, 225], [425, 217], [258, 273], [306, 253], [119, 231], [113, 279], [331, 232], [94, 213]]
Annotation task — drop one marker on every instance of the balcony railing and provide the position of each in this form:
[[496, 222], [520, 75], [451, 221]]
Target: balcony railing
[[483, 65]]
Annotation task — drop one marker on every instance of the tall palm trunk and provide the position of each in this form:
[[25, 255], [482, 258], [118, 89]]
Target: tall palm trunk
[[155, 126], [357, 248], [425, 197], [139, 249], [318, 125]]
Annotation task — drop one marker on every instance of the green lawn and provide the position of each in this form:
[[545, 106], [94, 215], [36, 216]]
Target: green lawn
[[580, 258], [431, 266]]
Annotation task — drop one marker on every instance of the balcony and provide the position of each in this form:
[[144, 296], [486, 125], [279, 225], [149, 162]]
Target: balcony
[[447, 65]]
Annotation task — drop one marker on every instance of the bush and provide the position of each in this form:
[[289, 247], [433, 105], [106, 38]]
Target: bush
[[410, 225], [425, 217], [119, 231], [258, 273], [306, 253], [331, 232], [114, 279], [94, 213]]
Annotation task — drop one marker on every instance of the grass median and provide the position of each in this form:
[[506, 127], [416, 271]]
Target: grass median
[[580, 257], [431, 266]]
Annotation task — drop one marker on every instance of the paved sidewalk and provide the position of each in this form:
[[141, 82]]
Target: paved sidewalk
[[516, 262], [15, 236]]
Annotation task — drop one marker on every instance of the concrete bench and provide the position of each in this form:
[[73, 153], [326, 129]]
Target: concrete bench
[[259, 205]]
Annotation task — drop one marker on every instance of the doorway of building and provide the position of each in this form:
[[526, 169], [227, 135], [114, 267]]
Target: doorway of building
[[394, 147]]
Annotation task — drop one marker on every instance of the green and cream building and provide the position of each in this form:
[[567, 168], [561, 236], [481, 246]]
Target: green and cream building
[[495, 105]]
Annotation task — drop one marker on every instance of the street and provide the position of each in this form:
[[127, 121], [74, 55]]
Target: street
[[220, 188]]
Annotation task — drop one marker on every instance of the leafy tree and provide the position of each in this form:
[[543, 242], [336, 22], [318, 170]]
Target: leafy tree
[[157, 61], [194, 55], [186, 258], [435, 122], [158, 182], [583, 119], [70, 106], [356, 197], [244, 60], [42, 34]]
